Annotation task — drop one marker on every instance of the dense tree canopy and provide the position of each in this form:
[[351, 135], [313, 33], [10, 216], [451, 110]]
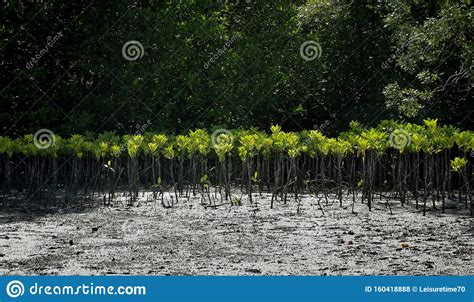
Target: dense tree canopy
[[232, 64]]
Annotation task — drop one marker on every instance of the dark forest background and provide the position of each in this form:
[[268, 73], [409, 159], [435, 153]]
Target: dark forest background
[[406, 60]]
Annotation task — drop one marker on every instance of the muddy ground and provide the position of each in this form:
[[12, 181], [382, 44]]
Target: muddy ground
[[188, 239]]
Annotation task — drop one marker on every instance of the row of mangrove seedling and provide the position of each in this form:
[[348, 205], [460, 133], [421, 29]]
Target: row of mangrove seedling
[[425, 164]]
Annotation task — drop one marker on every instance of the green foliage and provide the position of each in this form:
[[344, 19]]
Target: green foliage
[[465, 140], [157, 144], [255, 177], [158, 181], [237, 201], [247, 148], [134, 144], [238, 66], [340, 148], [458, 163], [205, 182], [169, 152], [223, 146], [77, 144], [430, 138], [434, 52], [372, 140], [199, 142]]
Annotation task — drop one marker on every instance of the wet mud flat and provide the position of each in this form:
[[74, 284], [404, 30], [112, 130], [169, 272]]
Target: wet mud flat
[[190, 239]]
